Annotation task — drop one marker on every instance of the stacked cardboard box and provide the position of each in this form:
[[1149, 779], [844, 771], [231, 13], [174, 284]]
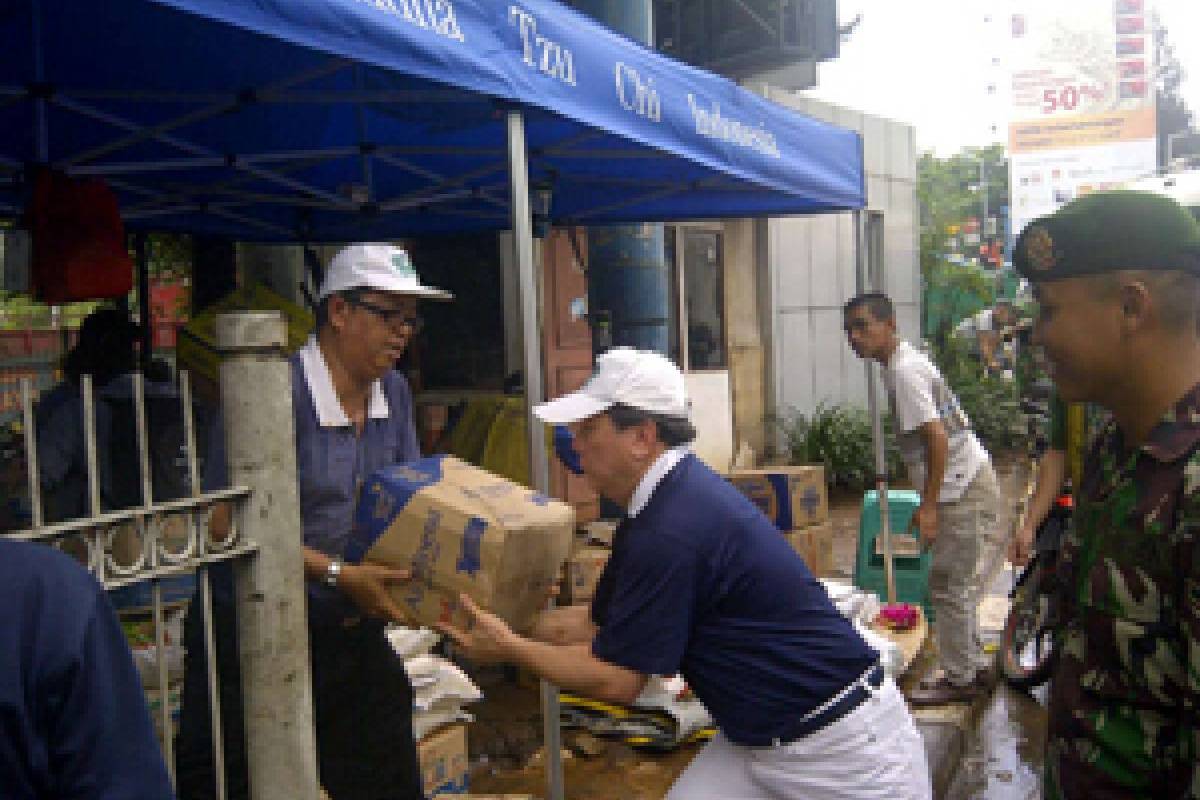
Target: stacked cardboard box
[[815, 546], [443, 758], [796, 499]]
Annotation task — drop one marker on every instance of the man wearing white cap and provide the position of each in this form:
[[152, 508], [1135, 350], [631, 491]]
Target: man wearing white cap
[[701, 583], [353, 415]]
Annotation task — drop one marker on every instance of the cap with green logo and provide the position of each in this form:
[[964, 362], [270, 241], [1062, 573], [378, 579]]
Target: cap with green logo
[[380, 266], [1107, 232]]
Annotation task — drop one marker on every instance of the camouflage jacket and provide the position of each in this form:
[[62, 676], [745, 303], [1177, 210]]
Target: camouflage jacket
[[1123, 702]]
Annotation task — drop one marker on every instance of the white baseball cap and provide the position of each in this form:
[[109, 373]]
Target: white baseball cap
[[638, 378], [380, 266]]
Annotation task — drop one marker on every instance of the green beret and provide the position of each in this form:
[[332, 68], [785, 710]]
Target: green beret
[[1106, 232]]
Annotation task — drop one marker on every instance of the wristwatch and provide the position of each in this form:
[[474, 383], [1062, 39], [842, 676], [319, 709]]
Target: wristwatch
[[332, 573]]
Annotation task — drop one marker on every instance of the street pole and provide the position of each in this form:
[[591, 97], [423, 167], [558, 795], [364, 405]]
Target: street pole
[[983, 187], [861, 254], [260, 442]]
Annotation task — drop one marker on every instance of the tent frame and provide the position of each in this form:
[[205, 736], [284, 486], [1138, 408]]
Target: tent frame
[[273, 168]]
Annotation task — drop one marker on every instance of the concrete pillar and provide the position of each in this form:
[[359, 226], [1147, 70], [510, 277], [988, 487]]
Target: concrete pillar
[[634, 18], [260, 442], [744, 331]]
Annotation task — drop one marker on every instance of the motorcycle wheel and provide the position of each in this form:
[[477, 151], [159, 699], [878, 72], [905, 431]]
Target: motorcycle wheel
[[1026, 655]]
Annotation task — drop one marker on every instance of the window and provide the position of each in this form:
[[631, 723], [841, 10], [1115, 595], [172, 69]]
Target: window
[[698, 322], [874, 238]]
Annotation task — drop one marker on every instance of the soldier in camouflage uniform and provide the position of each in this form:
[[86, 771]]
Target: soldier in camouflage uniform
[[1117, 275]]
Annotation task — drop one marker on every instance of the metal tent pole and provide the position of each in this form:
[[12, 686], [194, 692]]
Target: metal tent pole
[[539, 469], [881, 477]]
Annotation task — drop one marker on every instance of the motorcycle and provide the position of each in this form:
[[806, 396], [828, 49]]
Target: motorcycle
[[1027, 653]]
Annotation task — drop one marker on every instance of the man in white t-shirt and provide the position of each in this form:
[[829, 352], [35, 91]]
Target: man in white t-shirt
[[960, 511]]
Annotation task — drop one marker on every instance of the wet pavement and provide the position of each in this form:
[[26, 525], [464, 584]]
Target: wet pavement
[[1002, 758], [992, 749], [998, 752]]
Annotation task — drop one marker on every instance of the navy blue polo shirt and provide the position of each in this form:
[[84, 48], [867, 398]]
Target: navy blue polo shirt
[[73, 718], [701, 582], [333, 460]]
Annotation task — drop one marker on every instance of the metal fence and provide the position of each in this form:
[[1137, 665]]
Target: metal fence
[[172, 538]]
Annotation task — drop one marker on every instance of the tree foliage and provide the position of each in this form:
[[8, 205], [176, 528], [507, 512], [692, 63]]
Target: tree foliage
[[949, 191], [1173, 114]]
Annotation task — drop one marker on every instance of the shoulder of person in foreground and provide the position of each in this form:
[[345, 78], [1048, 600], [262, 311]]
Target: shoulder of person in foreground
[[86, 694]]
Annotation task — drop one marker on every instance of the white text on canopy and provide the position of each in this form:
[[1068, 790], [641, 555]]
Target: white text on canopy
[[436, 15], [552, 58], [637, 94], [712, 124]]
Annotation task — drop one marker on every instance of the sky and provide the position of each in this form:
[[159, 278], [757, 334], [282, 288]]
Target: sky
[[930, 63]]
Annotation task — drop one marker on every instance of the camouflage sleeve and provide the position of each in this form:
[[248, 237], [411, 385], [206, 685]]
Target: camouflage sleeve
[[1188, 554]]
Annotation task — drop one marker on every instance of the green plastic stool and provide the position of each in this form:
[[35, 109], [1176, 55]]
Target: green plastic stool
[[911, 573]]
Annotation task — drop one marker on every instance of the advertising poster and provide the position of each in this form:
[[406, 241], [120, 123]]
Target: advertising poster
[[1083, 116]]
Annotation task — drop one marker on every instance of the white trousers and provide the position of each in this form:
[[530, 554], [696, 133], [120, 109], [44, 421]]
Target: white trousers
[[872, 753]]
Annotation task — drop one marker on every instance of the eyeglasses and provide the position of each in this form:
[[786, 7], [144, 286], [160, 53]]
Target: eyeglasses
[[401, 316]]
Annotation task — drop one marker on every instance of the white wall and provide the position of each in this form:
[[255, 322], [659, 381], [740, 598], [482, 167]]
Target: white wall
[[712, 414], [811, 269]]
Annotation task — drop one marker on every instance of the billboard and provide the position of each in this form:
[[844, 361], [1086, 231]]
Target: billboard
[[1082, 106]]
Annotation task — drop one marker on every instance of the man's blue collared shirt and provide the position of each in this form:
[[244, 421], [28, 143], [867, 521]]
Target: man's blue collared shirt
[[332, 459]]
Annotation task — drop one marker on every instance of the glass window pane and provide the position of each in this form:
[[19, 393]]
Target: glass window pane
[[703, 285]]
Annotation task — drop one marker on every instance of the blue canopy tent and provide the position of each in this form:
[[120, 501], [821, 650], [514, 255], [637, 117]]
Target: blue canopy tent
[[337, 120], [341, 119]]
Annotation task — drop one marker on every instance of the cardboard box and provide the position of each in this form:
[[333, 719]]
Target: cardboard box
[[462, 530], [583, 571], [792, 497], [443, 759], [815, 546]]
